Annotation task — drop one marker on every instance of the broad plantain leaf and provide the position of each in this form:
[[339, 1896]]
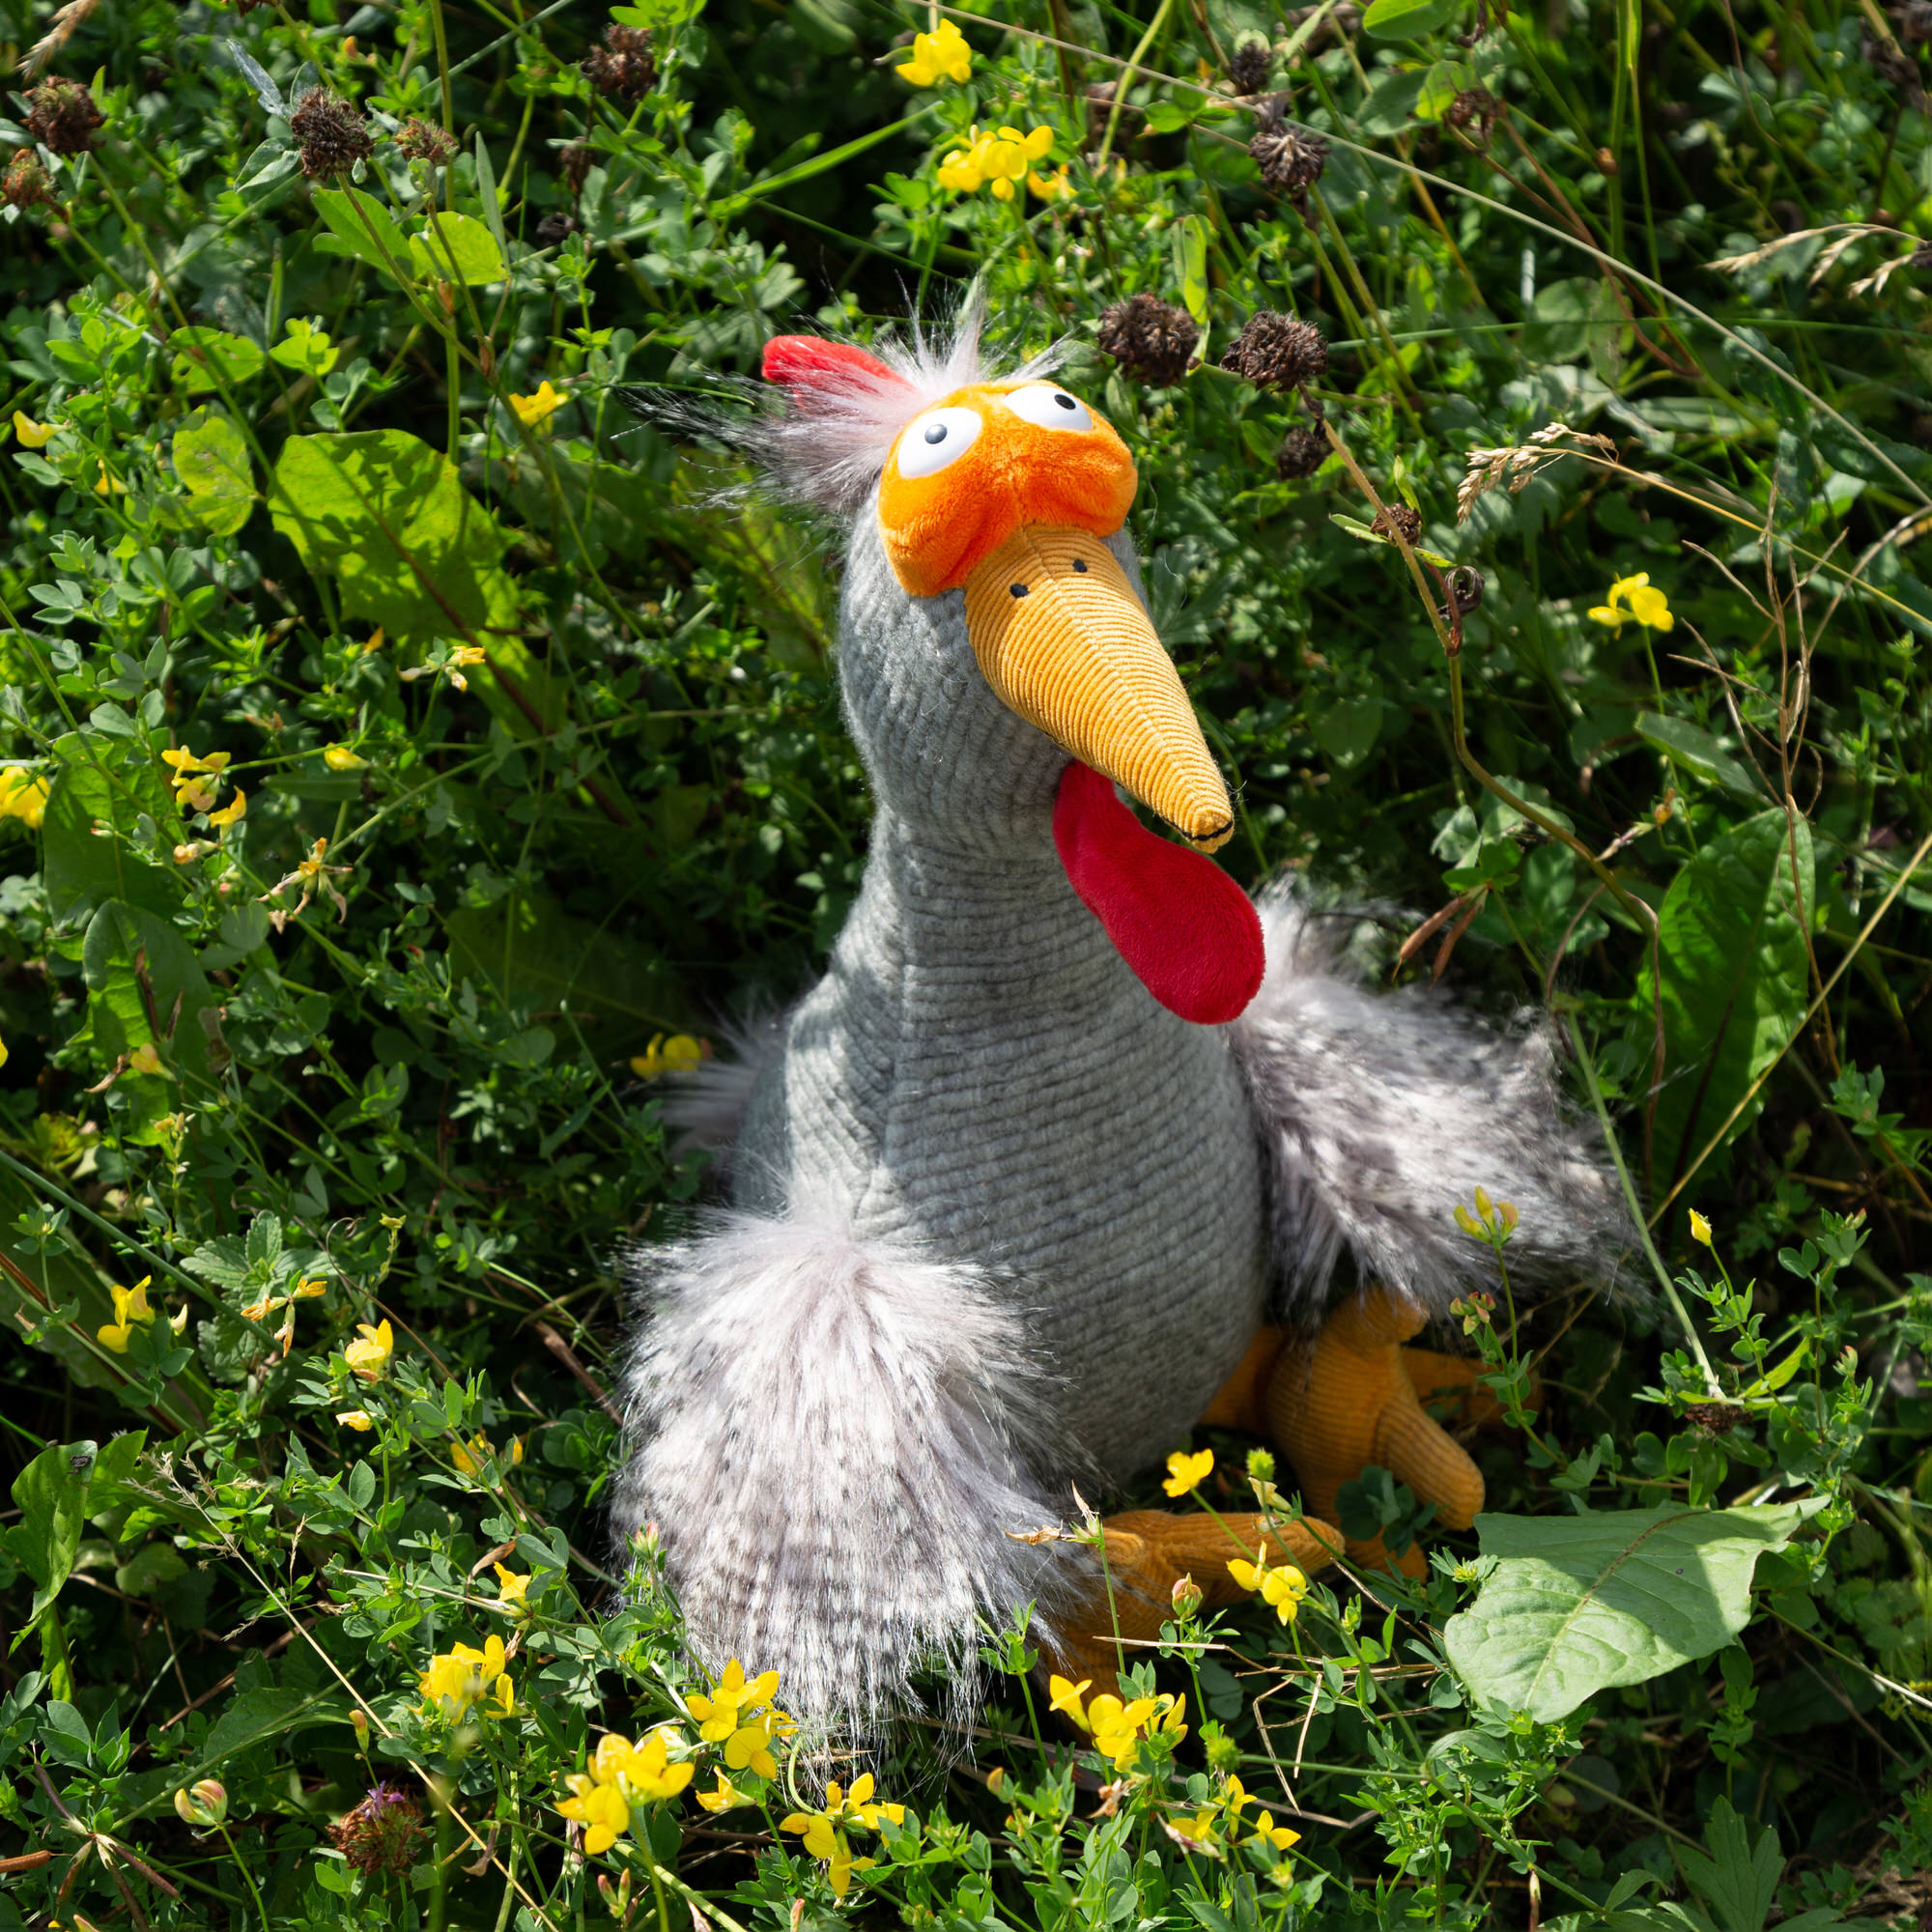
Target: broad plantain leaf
[[1409, 20], [97, 782], [1734, 979], [384, 514], [1695, 751], [1578, 1605]]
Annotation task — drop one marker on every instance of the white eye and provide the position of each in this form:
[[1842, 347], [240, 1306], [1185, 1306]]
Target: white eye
[[1047, 406], [930, 443]]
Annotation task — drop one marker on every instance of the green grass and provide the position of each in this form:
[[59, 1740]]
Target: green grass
[[589, 788]]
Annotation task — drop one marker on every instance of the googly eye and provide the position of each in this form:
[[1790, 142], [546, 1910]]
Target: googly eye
[[1047, 406], [928, 443]]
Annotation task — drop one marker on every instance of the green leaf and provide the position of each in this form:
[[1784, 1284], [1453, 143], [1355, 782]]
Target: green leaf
[[308, 349], [1578, 1604], [1739, 1877], [270, 1712], [455, 248], [211, 460], [1409, 20], [145, 987], [529, 946], [1348, 731], [1734, 979], [1189, 247], [210, 359], [384, 514], [94, 784], [360, 226], [51, 1495], [1697, 752]]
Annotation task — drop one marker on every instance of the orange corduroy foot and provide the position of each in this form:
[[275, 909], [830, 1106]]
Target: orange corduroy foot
[[1147, 1552], [1349, 1398]]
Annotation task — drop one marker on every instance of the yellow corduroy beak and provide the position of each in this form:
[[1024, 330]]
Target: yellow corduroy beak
[[1064, 642]]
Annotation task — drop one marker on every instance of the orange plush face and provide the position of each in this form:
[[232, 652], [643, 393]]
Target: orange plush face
[[991, 460]]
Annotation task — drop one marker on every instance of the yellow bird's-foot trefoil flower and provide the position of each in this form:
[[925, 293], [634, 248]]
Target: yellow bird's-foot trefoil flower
[[824, 1832], [1634, 598], [22, 796], [539, 407], [943, 52], [131, 1312], [463, 1678], [368, 1356], [1186, 1472], [619, 1778], [1281, 1588]]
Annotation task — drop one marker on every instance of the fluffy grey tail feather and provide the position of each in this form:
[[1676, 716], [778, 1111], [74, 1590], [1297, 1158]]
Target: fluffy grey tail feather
[[1380, 1112], [833, 1437], [707, 1102]]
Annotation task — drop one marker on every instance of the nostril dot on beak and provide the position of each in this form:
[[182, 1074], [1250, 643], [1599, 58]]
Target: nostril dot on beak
[[1080, 564], [1018, 589]]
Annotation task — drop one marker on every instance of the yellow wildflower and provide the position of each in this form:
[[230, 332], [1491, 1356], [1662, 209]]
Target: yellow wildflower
[[308, 1287], [260, 1311], [131, 1312], [1056, 187], [600, 1808], [516, 1451], [178, 1321], [340, 758], [33, 435], [369, 1358], [464, 1678], [192, 791], [726, 1798], [943, 51], [22, 796], [511, 1587], [108, 486], [824, 1832], [620, 1775], [357, 1419], [1198, 1830], [470, 1457], [718, 1714], [1282, 1588], [1187, 1473], [1277, 1835], [750, 1747], [1064, 1696], [464, 654], [1700, 1229], [533, 410], [1000, 158], [678, 1054], [146, 1059], [231, 813], [1647, 605]]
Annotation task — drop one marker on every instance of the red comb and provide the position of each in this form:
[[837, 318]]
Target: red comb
[[804, 363]]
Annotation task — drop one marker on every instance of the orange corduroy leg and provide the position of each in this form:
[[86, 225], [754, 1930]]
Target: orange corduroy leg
[[1349, 1398], [1147, 1552]]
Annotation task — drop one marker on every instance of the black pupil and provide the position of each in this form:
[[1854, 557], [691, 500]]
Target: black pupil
[[1018, 589], [1080, 564], [1064, 401], [936, 434]]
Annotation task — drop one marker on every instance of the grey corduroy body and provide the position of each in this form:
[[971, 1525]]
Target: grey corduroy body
[[1001, 1219]]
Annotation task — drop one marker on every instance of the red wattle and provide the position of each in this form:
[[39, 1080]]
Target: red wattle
[[1186, 928]]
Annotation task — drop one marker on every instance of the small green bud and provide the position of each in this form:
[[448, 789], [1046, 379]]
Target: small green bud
[[1260, 1465]]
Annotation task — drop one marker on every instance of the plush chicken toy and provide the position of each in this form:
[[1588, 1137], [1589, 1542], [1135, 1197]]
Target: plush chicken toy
[[1021, 1189]]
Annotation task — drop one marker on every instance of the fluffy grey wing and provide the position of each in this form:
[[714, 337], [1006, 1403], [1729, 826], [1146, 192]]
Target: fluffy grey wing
[[1380, 1112]]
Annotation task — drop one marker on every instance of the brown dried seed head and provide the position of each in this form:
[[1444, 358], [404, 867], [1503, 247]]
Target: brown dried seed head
[[574, 166], [555, 226], [1149, 338], [1474, 106], [25, 183], [1397, 518], [333, 135], [1252, 61], [425, 141], [1301, 454], [1276, 352], [1290, 157], [61, 115], [622, 68]]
